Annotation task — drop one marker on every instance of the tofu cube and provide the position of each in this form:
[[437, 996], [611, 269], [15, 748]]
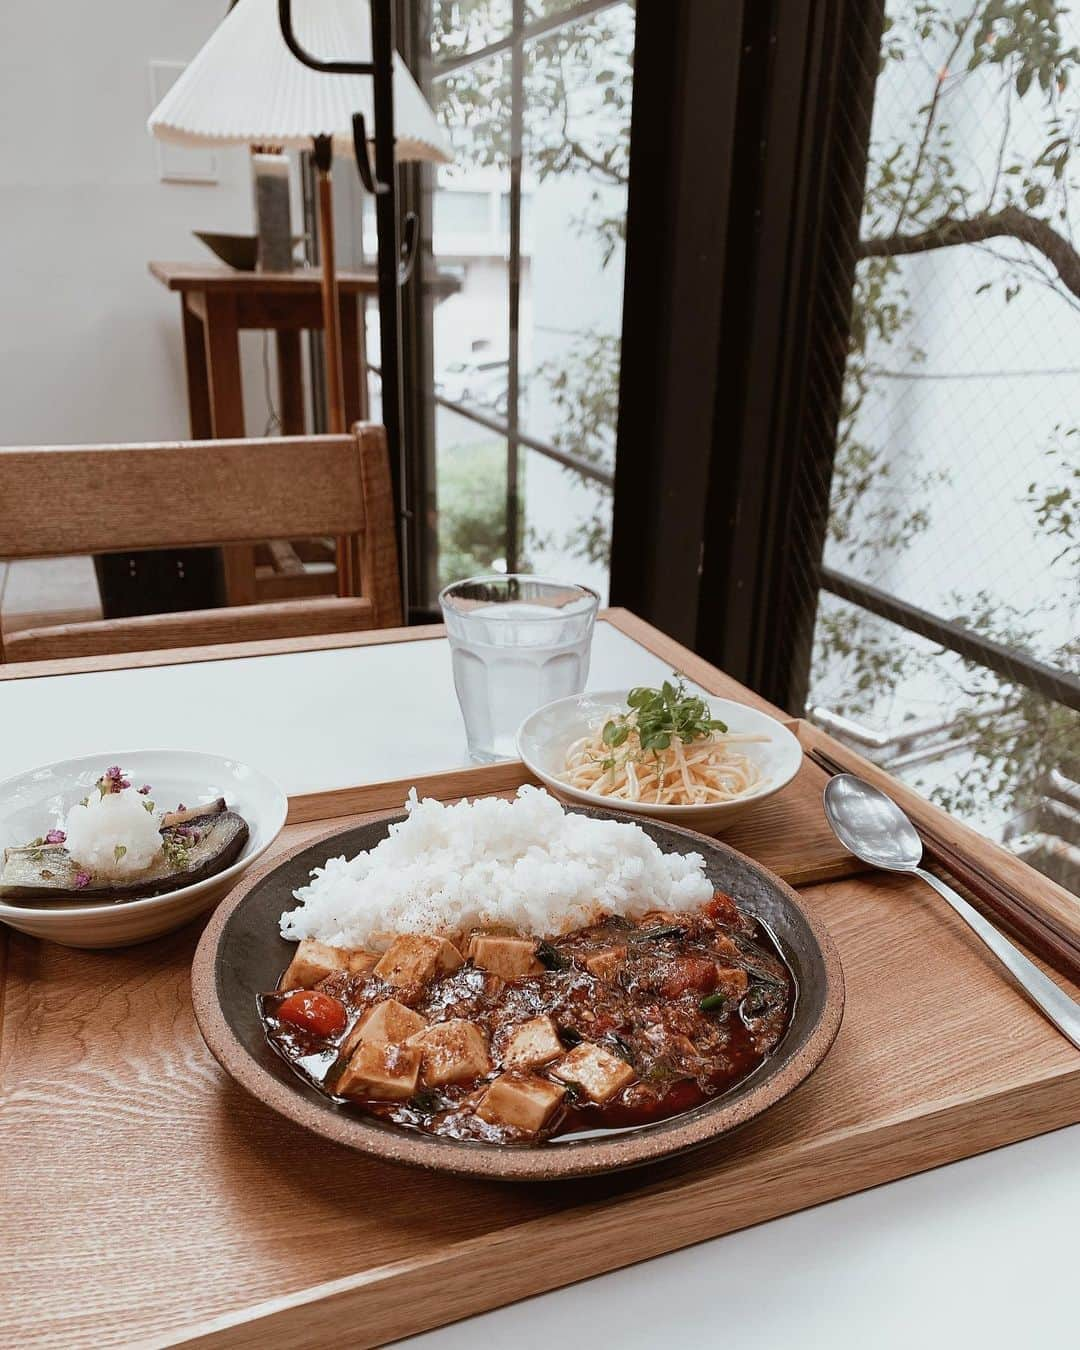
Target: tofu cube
[[532, 1045], [733, 982], [414, 958], [314, 961], [387, 1023], [606, 965], [380, 1073], [726, 947], [361, 962], [453, 1052], [520, 1101], [597, 1072], [508, 957]]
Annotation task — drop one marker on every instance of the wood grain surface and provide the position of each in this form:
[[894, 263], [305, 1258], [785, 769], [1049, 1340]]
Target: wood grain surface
[[203, 277], [1058, 905], [273, 619], [148, 1201], [788, 833], [60, 500]]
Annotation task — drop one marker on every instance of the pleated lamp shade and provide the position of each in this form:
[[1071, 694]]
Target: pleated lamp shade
[[246, 87]]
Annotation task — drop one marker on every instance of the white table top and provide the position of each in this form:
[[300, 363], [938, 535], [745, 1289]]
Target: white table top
[[311, 720], [980, 1253]]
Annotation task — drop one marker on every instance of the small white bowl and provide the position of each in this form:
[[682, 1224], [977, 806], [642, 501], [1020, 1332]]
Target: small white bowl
[[545, 736], [36, 801]]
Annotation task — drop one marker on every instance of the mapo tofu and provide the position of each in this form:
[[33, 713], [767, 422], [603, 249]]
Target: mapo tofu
[[515, 1039]]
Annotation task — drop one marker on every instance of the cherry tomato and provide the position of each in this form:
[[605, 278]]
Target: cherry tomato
[[314, 1012], [688, 972], [722, 909]]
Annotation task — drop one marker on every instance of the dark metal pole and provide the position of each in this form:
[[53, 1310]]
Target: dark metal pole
[[513, 374], [386, 221], [381, 70]]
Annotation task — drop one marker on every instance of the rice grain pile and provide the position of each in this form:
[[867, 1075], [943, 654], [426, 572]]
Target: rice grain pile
[[524, 864]]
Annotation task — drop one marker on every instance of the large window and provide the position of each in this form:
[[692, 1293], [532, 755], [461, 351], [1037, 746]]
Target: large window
[[946, 643], [527, 234]]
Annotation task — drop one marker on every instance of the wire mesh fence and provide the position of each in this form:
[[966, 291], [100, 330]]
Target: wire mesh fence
[[955, 484]]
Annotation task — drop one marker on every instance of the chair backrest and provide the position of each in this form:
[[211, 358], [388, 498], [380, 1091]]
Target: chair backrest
[[59, 501]]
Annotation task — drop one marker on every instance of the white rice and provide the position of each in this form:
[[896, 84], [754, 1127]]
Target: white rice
[[113, 836], [525, 864]]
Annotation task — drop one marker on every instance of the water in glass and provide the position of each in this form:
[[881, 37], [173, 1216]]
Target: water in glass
[[517, 643]]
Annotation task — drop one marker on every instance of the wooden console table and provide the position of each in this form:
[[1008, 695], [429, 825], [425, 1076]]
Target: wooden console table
[[216, 303]]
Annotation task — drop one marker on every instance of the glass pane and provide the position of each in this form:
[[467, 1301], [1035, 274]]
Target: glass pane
[[551, 497], [469, 319], [471, 468], [461, 26], [958, 461], [992, 752], [578, 90], [572, 100], [538, 10]]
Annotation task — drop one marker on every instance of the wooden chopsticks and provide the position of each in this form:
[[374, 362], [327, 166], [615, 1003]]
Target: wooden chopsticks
[[1036, 928]]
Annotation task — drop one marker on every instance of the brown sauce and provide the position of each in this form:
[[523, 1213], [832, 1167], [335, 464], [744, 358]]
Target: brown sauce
[[694, 1006]]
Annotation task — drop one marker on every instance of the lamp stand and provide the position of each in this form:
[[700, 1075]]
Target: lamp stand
[[335, 395]]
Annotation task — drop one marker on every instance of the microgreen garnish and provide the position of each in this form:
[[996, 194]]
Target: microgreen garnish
[[669, 930], [756, 1002], [661, 715], [426, 1103], [119, 851], [550, 958], [621, 1048]]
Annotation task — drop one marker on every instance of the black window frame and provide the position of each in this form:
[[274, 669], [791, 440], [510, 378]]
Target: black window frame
[[749, 138]]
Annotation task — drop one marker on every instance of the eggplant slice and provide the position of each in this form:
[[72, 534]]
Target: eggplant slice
[[46, 872]]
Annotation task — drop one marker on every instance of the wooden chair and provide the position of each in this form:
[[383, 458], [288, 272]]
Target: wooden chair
[[59, 501]]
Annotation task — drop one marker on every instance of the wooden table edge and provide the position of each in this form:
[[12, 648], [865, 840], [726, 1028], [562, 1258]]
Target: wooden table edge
[[829, 1166], [831, 1163], [645, 634]]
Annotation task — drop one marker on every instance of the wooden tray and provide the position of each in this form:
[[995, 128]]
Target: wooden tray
[[152, 1202], [788, 833]]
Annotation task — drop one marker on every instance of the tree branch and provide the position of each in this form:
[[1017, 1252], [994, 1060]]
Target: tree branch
[[1008, 223]]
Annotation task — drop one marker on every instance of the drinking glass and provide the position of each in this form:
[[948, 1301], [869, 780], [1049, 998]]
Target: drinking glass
[[517, 642]]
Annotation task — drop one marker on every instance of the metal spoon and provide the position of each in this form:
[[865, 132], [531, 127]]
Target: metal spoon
[[875, 829]]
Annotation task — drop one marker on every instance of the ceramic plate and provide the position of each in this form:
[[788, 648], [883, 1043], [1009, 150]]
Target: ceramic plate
[[242, 955], [33, 802], [544, 736]]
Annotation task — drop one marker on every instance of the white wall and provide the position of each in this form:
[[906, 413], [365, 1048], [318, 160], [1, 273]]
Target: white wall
[[90, 344]]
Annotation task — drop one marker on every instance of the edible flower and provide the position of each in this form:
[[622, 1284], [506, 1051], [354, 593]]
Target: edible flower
[[144, 789], [113, 780], [81, 879], [55, 837]]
